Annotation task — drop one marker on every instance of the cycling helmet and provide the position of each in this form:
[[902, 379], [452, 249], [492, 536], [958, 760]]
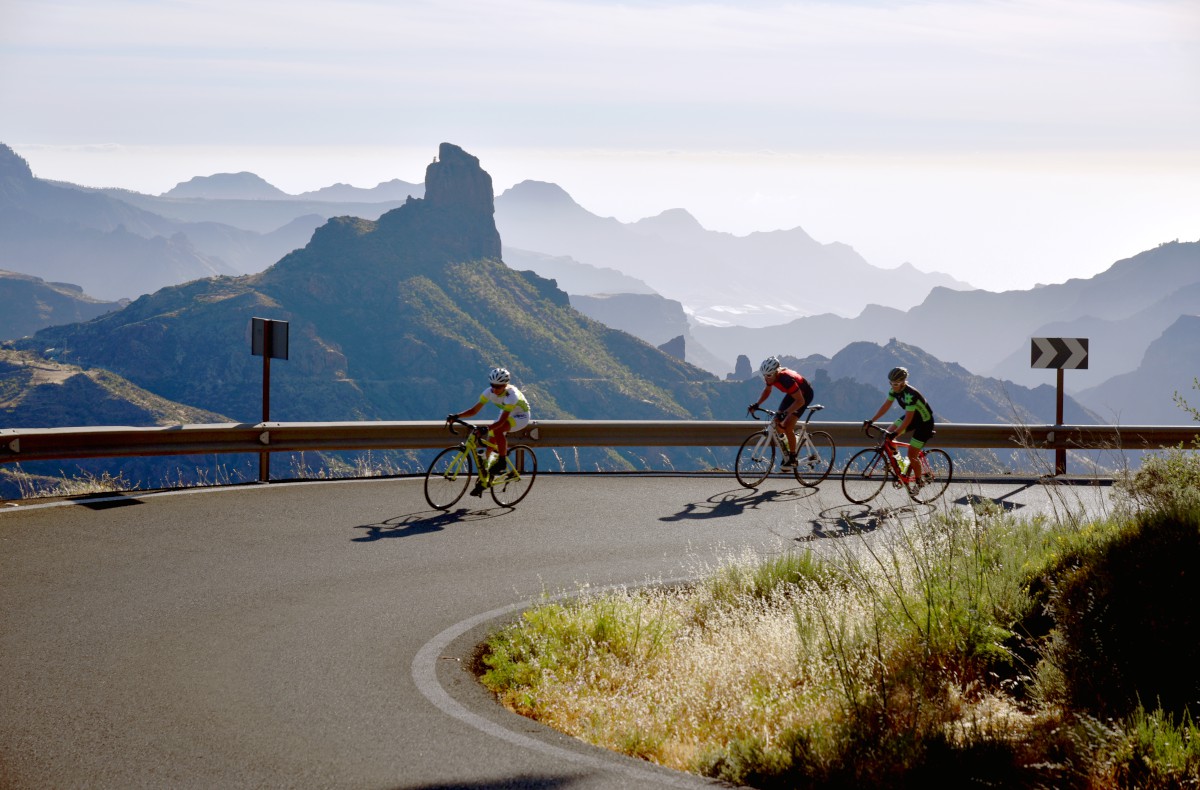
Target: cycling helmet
[[499, 376], [768, 366], [898, 374]]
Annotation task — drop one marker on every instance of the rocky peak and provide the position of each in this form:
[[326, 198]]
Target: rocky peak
[[13, 166], [455, 180]]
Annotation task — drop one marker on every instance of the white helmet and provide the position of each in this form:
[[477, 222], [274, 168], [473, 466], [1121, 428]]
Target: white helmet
[[499, 376], [768, 366]]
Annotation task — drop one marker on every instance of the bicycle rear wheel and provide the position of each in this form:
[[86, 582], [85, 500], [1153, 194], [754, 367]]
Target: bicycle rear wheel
[[447, 478], [814, 458], [943, 470], [755, 460], [864, 475], [514, 483]]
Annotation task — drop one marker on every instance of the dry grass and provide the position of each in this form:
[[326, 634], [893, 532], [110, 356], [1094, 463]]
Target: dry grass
[[887, 664]]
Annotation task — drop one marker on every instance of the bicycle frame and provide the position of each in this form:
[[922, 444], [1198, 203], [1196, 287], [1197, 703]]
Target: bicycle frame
[[471, 449], [890, 446], [868, 470], [450, 471], [775, 428], [755, 459]]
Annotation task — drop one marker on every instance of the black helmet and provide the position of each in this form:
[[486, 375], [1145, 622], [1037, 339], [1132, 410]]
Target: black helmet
[[898, 374]]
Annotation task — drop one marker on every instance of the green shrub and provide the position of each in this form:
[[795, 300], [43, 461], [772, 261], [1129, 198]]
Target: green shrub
[[1126, 612], [1165, 481], [1160, 753]]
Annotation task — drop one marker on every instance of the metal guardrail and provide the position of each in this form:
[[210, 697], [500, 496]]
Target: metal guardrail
[[42, 444]]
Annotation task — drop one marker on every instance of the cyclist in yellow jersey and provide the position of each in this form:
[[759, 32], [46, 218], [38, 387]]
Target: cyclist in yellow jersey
[[918, 416], [514, 415]]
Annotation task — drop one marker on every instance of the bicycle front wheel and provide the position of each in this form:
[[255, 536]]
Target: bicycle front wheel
[[864, 476], [511, 486], [447, 478], [943, 470], [814, 458], [755, 460]]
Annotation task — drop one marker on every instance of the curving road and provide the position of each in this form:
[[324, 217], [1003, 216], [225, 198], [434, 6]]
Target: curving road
[[313, 635]]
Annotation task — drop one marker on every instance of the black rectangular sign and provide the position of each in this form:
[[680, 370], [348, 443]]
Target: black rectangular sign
[[279, 338]]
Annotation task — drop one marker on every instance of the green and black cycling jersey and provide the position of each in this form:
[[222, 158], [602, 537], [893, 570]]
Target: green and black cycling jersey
[[910, 399]]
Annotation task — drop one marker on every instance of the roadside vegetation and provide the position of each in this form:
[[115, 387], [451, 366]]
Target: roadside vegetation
[[970, 648]]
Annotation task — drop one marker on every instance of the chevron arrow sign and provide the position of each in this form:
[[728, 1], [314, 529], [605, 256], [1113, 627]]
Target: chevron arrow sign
[[1070, 353]]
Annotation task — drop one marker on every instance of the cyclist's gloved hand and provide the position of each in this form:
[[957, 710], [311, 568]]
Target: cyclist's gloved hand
[[866, 424], [450, 418], [752, 408]]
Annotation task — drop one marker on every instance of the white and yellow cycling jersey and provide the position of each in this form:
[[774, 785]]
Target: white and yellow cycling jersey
[[512, 402]]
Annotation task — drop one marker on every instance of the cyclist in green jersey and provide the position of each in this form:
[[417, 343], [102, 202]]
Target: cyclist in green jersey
[[918, 416]]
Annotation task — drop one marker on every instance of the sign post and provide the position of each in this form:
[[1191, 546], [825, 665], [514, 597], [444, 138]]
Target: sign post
[[1060, 353], [268, 339]]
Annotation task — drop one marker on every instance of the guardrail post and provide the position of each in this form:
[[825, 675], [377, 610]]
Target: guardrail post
[[1060, 450]]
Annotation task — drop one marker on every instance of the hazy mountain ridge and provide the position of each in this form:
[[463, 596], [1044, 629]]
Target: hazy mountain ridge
[[1145, 395], [721, 278], [990, 333], [1123, 309], [31, 303], [956, 394], [393, 319], [653, 318]]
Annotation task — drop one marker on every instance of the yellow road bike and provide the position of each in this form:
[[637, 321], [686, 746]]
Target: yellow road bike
[[451, 471]]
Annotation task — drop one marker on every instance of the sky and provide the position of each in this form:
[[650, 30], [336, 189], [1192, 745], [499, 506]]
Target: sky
[[1004, 142]]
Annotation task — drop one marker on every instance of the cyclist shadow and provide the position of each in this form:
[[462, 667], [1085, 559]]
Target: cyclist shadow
[[848, 520], [423, 523], [728, 504]]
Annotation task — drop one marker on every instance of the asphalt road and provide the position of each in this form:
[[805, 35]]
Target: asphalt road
[[314, 635]]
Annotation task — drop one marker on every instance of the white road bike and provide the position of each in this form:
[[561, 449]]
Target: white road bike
[[815, 452]]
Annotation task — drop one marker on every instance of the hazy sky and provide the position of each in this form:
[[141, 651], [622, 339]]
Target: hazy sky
[[1004, 142]]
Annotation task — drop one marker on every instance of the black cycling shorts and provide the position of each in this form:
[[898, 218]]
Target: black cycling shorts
[[921, 432]]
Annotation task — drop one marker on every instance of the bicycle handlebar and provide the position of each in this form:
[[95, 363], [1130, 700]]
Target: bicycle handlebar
[[452, 421], [874, 431], [813, 409]]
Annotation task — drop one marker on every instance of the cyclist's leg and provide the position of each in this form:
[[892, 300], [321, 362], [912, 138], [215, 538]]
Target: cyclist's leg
[[920, 435], [500, 437], [789, 424], [802, 398]]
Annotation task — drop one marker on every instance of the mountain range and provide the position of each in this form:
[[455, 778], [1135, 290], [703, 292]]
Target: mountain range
[[760, 279], [1124, 310], [399, 318]]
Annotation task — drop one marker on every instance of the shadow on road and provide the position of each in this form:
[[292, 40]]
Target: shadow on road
[[848, 520], [423, 523], [736, 502], [974, 500]]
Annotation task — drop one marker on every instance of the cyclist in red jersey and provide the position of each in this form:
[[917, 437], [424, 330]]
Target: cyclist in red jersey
[[797, 393]]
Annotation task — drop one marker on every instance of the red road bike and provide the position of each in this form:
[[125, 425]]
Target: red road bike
[[869, 470]]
